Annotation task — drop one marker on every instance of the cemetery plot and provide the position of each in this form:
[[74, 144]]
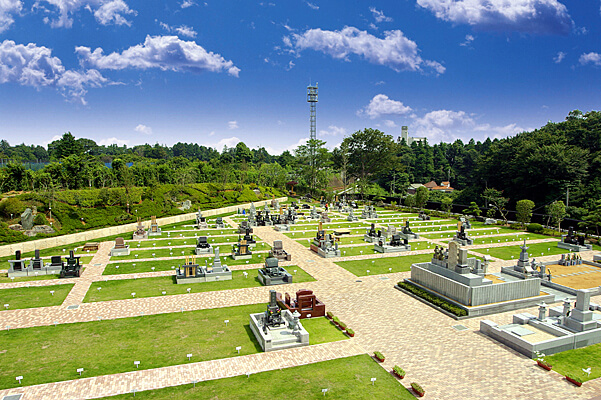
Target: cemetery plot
[[574, 361], [6, 279], [345, 378], [576, 276], [34, 296], [154, 287], [224, 249], [513, 252], [383, 265], [112, 346], [144, 244], [131, 267]]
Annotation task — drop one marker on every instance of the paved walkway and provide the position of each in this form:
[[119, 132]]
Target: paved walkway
[[448, 363]]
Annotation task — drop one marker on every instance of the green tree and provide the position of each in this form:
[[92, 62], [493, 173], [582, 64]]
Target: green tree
[[410, 201], [524, 211], [421, 196], [65, 146], [557, 212], [369, 153], [593, 218], [446, 203], [473, 209], [314, 161], [495, 200]]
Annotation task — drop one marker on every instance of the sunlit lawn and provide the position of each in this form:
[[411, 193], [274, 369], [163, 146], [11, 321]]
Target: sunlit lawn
[[345, 378], [34, 296], [382, 265], [153, 287], [54, 353]]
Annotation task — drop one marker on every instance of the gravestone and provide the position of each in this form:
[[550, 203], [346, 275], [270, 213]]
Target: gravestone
[[273, 274], [203, 246], [278, 251], [120, 249]]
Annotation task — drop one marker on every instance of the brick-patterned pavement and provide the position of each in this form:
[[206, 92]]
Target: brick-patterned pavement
[[448, 363]]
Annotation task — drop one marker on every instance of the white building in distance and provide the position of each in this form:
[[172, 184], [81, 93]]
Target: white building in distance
[[408, 139]]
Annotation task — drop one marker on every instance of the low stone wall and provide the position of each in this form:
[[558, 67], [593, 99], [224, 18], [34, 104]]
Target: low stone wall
[[65, 240]]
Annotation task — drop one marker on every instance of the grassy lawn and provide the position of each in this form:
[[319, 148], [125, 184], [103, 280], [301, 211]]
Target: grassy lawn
[[46, 354], [345, 378], [379, 266], [165, 265], [573, 361], [6, 279], [153, 287], [32, 297], [145, 244], [224, 249], [535, 250]]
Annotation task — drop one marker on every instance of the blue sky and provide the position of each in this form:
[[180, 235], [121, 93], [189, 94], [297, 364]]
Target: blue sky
[[217, 72]]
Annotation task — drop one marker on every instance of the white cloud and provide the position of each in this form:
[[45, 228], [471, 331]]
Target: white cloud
[[379, 15], [528, 16], [592, 58], [182, 30], [313, 6], [143, 129], [32, 65], [112, 13], [382, 105], [390, 124], [448, 125], [229, 142], [232, 125], [7, 9], [113, 140], [164, 52], [105, 11], [468, 41], [187, 3], [394, 50], [559, 57], [333, 131]]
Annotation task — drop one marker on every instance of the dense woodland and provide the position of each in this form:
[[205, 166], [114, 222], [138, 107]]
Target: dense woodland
[[541, 166]]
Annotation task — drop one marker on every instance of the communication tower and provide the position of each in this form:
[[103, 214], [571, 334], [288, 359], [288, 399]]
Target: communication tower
[[312, 100]]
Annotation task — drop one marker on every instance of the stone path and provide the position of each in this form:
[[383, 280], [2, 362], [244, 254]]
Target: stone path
[[448, 363]]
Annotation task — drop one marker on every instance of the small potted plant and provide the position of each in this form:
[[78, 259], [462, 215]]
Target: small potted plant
[[574, 379], [540, 360], [379, 356], [398, 371], [350, 332], [330, 315], [342, 326], [417, 389], [336, 321]]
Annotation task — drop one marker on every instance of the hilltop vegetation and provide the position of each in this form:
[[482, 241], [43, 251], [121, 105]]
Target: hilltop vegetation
[[73, 211]]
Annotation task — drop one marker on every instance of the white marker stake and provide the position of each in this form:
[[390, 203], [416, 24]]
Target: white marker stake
[[324, 391], [189, 356], [137, 364], [239, 348], [18, 378], [80, 370], [373, 381], [226, 321]]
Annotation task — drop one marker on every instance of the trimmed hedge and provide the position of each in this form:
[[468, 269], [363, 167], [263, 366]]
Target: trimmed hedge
[[445, 305], [534, 228]]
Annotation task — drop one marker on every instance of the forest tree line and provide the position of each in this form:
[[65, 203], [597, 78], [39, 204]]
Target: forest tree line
[[542, 165]]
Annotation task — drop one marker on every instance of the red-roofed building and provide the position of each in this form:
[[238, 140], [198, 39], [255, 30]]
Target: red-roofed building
[[444, 187], [431, 185]]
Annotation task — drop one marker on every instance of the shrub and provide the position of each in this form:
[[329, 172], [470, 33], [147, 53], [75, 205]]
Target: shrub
[[379, 356], [517, 227], [330, 314], [12, 206], [336, 320], [350, 332], [417, 388], [445, 305], [40, 219], [574, 377], [342, 325], [534, 228], [398, 370]]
